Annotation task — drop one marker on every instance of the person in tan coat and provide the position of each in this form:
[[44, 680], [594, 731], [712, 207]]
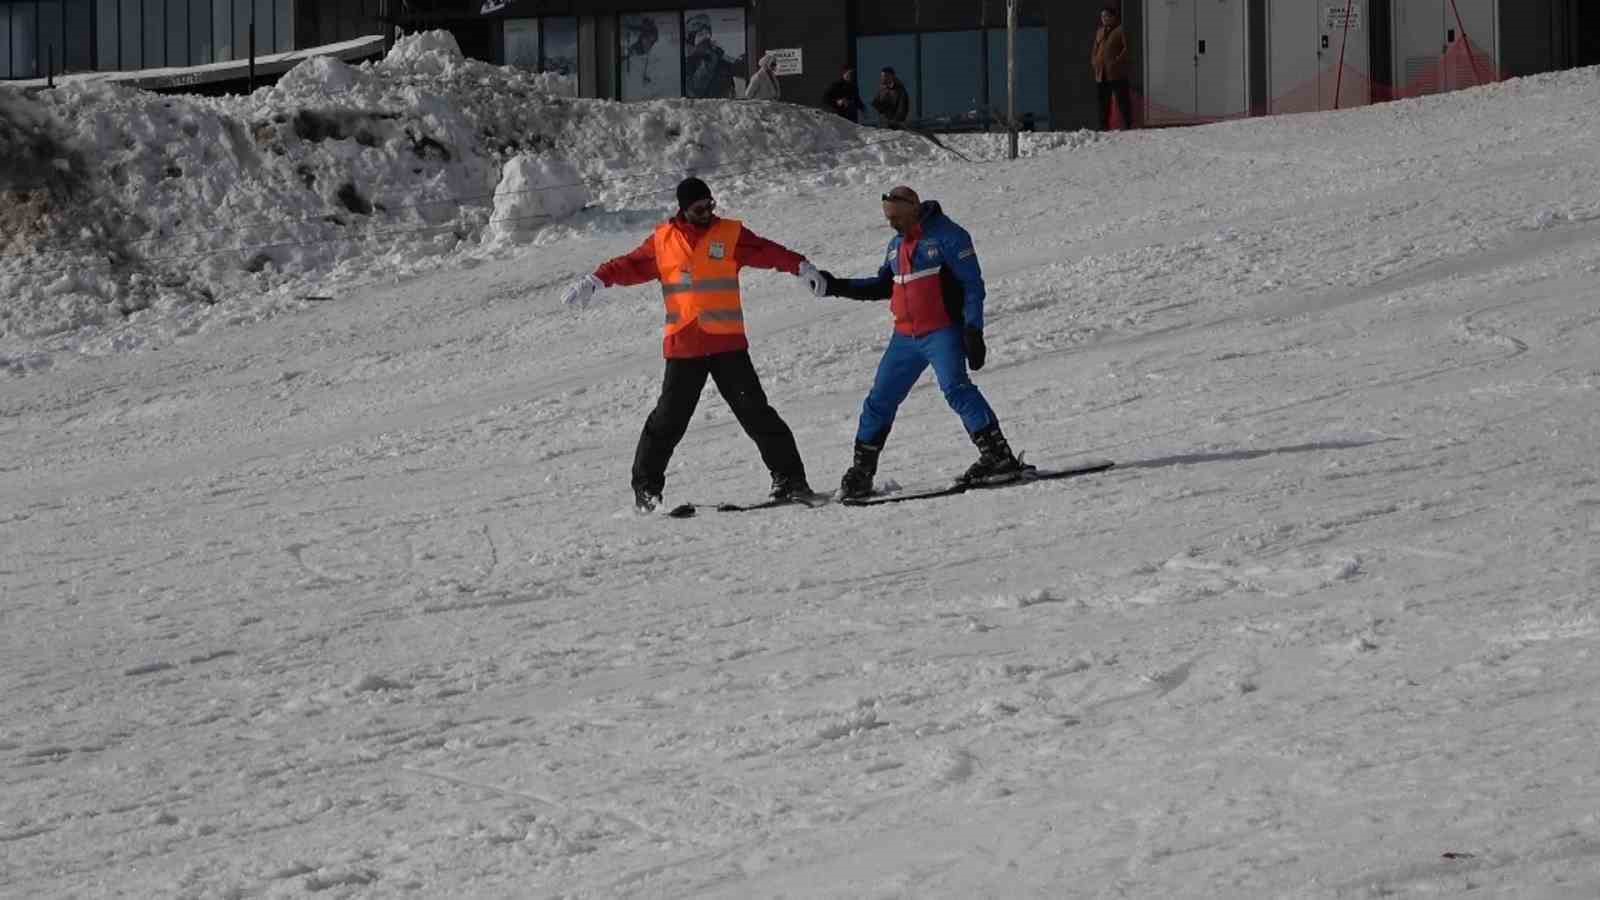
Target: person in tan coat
[[1110, 63]]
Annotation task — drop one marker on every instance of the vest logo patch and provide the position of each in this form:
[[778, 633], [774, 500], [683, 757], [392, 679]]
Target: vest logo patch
[[718, 250]]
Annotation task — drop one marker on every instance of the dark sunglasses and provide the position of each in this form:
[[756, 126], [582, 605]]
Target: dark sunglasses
[[702, 206], [892, 197]]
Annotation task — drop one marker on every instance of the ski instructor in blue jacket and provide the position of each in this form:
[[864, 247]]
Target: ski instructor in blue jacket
[[934, 286]]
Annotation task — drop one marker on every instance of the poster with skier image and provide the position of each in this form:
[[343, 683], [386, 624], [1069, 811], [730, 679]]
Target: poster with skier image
[[561, 46], [652, 58], [714, 52], [521, 42]]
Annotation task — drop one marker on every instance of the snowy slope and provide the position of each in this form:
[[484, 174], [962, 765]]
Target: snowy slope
[[351, 601]]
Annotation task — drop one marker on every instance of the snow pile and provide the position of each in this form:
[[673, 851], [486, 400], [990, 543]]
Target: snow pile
[[533, 191], [425, 53], [996, 146], [183, 213]]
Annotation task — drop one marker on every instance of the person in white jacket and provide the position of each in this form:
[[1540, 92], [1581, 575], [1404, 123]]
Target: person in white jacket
[[763, 85]]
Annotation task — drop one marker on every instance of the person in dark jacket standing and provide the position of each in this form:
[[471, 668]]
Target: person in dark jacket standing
[[1110, 63], [842, 97], [934, 286], [697, 257], [893, 101]]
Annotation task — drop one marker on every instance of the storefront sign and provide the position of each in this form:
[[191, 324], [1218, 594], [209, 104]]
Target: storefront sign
[[787, 62]]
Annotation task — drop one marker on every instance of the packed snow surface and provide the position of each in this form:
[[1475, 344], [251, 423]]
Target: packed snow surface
[[350, 599]]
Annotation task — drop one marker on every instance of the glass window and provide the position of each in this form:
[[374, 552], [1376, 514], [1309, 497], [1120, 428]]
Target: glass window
[[952, 76], [221, 30], [266, 26], [105, 13], [713, 51], [77, 36], [155, 34], [1033, 74], [283, 25], [560, 46], [651, 56], [24, 22], [5, 42], [521, 42], [877, 51], [49, 32], [241, 29], [132, 37], [177, 32], [199, 32]]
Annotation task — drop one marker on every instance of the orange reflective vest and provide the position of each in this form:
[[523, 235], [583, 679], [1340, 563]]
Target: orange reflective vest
[[700, 283]]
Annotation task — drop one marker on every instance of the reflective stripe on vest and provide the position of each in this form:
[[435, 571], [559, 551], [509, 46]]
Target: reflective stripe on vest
[[700, 283], [917, 275]]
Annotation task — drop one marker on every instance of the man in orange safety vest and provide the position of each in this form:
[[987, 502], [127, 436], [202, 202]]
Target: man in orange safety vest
[[697, 257]]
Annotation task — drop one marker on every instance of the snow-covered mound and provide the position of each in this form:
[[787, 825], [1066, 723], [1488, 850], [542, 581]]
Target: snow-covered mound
[[134, 217]]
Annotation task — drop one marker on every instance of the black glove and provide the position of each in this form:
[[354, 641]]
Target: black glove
[[977, 353], [829, 290]]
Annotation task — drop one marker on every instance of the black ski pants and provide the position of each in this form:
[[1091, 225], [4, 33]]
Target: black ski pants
[[1124, 96], [736, 379]]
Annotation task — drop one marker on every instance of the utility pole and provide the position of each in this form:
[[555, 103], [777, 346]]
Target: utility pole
[[1011, 73], [252, 48]]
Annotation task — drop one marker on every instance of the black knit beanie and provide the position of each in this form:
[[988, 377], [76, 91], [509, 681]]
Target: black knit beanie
[[691, 190]]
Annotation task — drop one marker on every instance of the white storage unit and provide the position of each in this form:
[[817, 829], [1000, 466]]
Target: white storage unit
[[1318, 55], [1197, 60], [1445, 45]]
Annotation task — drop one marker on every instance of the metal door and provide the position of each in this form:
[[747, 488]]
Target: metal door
[[1169, 83], [1222, 59], [1344, 54], [1445, 45], [1418, 46], [1293, 82], [1470, 44]]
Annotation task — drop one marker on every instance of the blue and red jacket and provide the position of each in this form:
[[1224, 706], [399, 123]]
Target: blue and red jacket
[[930, 277]]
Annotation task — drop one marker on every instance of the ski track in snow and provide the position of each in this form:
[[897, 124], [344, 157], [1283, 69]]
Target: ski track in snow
[[351, 601]]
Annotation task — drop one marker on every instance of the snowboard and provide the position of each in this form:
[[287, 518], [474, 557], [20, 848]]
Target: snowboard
[[690, 510], [1030, 475]]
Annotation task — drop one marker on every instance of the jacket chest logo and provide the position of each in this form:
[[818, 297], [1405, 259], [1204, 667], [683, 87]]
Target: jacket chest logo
[[717, 250]]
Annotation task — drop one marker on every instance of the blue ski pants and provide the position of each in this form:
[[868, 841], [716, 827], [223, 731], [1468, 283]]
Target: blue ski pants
[[903, 363]]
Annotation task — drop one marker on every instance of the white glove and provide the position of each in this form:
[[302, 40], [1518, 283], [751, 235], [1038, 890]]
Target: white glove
[[813, 279], [581, 290]]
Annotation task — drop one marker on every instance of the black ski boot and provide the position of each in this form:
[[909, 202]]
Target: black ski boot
[[996, 463], [646, 500], [791, 487], [857, 480]]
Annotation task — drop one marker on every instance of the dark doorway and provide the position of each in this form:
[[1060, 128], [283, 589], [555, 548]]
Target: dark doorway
[[1587, 18], [476, 39]]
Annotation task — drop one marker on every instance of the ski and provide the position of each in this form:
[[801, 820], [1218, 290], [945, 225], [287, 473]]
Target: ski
[[1030, 475], [690, 510]]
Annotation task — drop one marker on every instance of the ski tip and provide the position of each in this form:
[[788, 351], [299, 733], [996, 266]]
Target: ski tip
[[682, 511]]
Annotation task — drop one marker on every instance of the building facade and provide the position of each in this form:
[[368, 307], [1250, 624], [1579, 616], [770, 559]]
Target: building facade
[[1194, 60]]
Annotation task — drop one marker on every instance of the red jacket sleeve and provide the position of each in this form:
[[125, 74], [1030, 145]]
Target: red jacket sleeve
[[637, 267], [757, 252]]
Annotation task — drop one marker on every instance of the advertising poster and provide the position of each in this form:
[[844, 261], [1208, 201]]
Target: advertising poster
[[561, 46], [713, 52], [651, 55], [522, 42]]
